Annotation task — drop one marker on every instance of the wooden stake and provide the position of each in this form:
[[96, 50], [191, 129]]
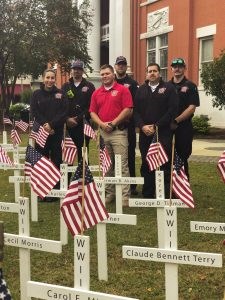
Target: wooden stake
[[171, 169]]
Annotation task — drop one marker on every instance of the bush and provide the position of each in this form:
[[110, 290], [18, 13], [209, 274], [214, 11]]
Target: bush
[[16, 110], [201, 124]]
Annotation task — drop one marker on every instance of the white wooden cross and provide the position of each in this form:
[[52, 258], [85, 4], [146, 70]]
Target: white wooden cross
[[24, 242], [114, 218], [167, 240]]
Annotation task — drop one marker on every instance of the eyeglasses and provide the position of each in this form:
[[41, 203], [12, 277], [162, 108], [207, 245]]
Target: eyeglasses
[[178, 61]]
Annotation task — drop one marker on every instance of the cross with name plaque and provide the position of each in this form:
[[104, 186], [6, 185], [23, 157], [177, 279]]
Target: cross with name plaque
[[167, 240], [24, 242]]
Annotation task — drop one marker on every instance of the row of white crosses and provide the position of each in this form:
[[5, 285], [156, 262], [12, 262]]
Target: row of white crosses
[[167, 233], [41, 290]]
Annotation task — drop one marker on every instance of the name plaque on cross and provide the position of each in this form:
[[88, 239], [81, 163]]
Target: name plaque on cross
[[21, 179], [123, 180], [208, 227], [137, 202], [15, 166], [50, 291], [32, 243], [9, 207], [122, 219], [173, 256]]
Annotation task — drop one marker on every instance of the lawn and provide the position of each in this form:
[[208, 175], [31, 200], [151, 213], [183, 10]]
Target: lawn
[[131, 278]]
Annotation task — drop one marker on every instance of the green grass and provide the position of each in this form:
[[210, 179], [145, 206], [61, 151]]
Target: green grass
[[143, 280]]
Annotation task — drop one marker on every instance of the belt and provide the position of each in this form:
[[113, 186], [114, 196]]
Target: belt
[[120, 127]]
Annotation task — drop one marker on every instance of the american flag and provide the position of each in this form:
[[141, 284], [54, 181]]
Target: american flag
[[16, 140], [43, 173], [221, 165], [4, 291], [22, 125], [181, 186], [156, 155], [105, 160], [88, 130], [4, 158], [6, 120], [69, 150], [39, 134], [94, 209]]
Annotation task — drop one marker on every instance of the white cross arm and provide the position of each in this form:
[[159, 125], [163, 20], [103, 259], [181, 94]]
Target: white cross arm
[[13, 179], [123, 219], [137, 202], [13, 167], [32, 243], [9, 207], [173, 256], [208, 227], [49, 291], [122, 180]]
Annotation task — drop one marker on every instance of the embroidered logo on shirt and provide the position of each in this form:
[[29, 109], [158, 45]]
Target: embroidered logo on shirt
[[58, 96], [84, 89], [70, 94], [161, 90], [114, 93], [184, 89], [127, 85]]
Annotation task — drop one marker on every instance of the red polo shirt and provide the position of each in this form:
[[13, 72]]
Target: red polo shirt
[[108, 104]]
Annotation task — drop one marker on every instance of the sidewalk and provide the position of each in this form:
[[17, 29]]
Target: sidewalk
[[207, 150], [203, 150]]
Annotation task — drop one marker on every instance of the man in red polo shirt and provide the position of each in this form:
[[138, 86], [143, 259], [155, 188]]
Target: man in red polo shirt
[[111, 107]]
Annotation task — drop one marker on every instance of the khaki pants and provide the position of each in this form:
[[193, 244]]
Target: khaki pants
[[117, 143]]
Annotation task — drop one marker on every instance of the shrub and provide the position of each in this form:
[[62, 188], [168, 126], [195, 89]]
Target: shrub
[[16, 110], [201, 124]]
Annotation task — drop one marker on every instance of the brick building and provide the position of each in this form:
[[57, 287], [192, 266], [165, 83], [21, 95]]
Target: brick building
[[192, 29]]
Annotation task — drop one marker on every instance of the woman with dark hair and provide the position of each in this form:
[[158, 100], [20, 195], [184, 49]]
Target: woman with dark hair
[[49, 109]]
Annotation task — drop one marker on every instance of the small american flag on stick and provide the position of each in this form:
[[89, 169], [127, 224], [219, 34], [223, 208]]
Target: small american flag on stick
[[94, 210], [156, 155], [22, 125], [221, 165], [88, 130], [181, 185], [4, 158], [69, 150], [16, 140], [39, 134], [43, 173], [6, 120], [105, 160]]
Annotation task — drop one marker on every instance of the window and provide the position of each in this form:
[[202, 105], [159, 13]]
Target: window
[[157, 51], [205, 53]]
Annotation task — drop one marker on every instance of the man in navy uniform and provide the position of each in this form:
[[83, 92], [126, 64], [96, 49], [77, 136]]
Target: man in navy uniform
[[188, 101]]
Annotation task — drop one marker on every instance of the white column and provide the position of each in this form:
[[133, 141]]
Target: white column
[[119, 30], [94, 38]]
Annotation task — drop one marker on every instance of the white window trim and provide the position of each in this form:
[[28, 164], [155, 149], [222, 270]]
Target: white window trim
[[157, 52], [205, 37], [205, 31], [148, 2]]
